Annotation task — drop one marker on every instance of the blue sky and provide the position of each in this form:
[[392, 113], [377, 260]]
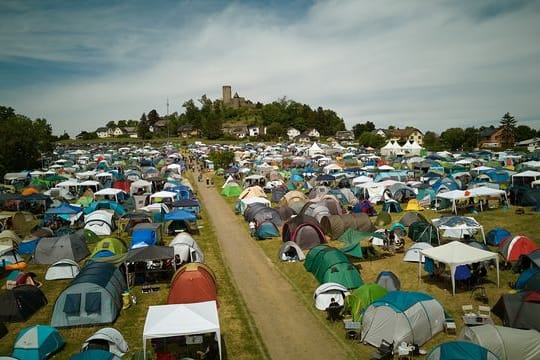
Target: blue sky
[[428, 64]]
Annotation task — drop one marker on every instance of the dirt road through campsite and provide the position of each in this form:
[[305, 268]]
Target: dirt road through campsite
[[287, 327]]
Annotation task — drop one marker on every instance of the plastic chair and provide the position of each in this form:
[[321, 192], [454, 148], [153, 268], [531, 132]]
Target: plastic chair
[[484, 311], [467, 310]]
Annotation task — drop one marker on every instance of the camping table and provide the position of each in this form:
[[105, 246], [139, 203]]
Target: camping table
[[474, 320]]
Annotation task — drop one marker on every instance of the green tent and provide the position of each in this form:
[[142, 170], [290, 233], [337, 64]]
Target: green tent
[[362, 297], [108, 246], [420, 231], [328, 264], [231, 190]]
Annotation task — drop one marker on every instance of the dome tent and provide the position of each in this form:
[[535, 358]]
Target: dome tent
[[411, 317]]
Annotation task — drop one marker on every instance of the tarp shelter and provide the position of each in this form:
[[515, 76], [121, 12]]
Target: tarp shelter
[[192, 283], [52, 249], [144, 269], [400, 316], [456, 196], [37, 342], [187, 248], [62, 269], [460, 350], [520, 310], [457, 227], [181, 220], [456, 253], [173, 320], [505, 342], [20, 303], [108, 339], [324, 294], [93, 297]]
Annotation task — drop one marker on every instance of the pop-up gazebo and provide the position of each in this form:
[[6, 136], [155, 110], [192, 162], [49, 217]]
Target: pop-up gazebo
[[456, 253]]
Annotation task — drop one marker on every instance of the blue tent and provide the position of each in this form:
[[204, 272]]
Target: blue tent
[[461, 350], [37, 342], [180, 215], [144, 237], [105, 204], [64, 209], [529, 280], [445, 183], [495, 236], [266, 230], [93, 354]]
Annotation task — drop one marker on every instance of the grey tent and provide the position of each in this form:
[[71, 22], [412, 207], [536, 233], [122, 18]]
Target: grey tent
[[108, 339], [62, 269], [290, 251], [520, 310], [316, 210], [505, 342], [412, 217], [388, 280], [93, 297], [21, 303], [53, 249], [187, 248]]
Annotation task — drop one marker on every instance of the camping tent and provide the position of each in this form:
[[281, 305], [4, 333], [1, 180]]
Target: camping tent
[[511, 248], [52, 249], [111, 338], [388, 280], [62, 269], [529, 280], [37, 342], [100, 222], [421, 231], [303, 230], [520, 310], [192, 283], [400, 316], [108, 246], [507, 343], [460, 350], [93, 297], [290, 251], [187, 248], [413, 254], [456, 253], [362, 297], [173, 320], [20, 303], [324, 294], [496, 235], [328, 264]]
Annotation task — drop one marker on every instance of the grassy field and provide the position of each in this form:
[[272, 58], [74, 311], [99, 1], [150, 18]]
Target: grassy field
[[240, 336], [305, 283]]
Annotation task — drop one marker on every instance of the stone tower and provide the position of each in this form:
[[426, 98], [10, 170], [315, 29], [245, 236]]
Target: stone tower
[[227, 98]]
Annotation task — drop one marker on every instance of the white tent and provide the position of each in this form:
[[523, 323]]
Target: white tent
[[457, 227], [324, 294], [456, 253], [412, 148], [163, 321], [314, 149], [111, 192], [477, 192], [525, 177], [391, 148]]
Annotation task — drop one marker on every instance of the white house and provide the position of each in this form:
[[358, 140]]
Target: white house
[[292, 133], [255, 130], [102, 132], [313, 133]]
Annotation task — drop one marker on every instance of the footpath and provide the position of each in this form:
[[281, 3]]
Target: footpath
[[288, 329]]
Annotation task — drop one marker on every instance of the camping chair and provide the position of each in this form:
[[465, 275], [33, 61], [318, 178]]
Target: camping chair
[[479, 293], [484, 311], [467, 310], [385, 351]]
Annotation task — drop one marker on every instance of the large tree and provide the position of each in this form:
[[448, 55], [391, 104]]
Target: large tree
[[359, 129], [22, 141], [454, 138], [523, 132], [508, 126]]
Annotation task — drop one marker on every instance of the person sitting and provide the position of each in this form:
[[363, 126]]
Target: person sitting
[[334, 310]]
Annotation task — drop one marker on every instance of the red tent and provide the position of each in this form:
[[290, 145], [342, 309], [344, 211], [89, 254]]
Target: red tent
[[192, 283], [511, 248]]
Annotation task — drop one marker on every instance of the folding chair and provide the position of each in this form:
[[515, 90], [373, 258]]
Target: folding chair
[[484, 311], [385, 351], [467, 310], [479, 292]]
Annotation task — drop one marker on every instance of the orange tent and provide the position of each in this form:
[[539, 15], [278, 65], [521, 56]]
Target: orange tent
[[29, 191], [192, 283]]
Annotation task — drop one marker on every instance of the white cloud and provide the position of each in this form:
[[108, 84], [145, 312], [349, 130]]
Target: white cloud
[[429, 65]]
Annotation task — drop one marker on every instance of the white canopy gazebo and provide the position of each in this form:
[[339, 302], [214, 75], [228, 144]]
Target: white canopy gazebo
[[456, 253], [190, 320]]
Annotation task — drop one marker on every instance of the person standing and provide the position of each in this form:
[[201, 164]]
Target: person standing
[[252, 228]]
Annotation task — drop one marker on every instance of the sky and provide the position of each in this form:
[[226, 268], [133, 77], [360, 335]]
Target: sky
[[432, 65]]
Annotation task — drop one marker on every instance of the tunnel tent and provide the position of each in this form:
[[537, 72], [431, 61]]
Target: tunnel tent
[[192, 283], [303, 230], [460, 350], [93, 297], [328, 264], [505, 342]]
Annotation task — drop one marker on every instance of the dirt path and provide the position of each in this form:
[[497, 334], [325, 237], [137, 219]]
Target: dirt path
[[288, 329]]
